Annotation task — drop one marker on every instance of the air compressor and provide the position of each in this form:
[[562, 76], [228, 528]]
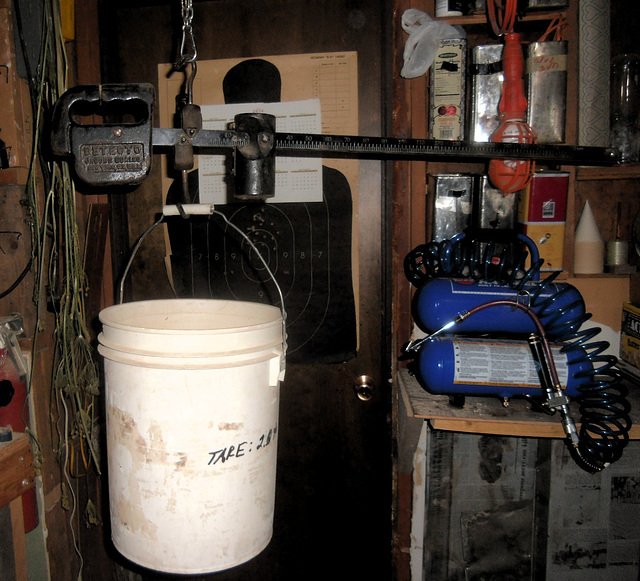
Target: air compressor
[[493, 328]]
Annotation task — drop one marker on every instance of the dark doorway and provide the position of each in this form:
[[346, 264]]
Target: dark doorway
[[333, 496]]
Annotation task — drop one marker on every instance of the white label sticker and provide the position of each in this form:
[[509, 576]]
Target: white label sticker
[[501, 363]]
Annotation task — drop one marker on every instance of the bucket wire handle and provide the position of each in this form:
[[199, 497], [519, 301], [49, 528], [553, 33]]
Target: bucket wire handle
[[133, 254], [266, 266], [210, 210]]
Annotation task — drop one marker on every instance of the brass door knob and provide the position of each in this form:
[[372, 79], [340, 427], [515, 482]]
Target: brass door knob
[[363, 386]]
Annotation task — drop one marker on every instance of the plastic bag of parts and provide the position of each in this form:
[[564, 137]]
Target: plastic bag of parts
[[422, 44]]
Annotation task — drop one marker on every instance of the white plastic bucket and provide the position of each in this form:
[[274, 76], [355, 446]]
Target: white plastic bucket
[[192, 393]]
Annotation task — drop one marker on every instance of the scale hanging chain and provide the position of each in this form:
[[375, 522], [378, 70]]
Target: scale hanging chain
[[188, 51]]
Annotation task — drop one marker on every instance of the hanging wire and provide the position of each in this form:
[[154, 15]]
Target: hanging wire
[[502, 15], [18, 280], [558, 27], [60, 283], [133, 254]]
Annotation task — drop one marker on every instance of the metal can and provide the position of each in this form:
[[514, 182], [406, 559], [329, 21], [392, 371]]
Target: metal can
[[486, 90], [448, 90], [546, 75], [452, 204], [547, 3], [494, 209]]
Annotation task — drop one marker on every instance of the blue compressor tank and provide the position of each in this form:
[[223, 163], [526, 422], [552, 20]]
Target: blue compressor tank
[[453, 365], [559, 306]]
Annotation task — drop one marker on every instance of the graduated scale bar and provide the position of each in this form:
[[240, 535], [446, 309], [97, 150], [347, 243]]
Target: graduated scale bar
[[306, 144], [415, 149]]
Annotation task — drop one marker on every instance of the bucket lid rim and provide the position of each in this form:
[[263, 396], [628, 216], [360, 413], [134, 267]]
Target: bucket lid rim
[[106, 319]]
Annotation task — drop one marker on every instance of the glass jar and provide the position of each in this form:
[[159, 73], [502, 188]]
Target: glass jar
[[625, 106]]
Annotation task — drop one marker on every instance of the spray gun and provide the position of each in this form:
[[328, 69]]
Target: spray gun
[[555, 397]]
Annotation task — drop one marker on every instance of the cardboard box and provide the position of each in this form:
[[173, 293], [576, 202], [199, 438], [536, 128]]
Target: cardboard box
[[630, 334], [545, 198]]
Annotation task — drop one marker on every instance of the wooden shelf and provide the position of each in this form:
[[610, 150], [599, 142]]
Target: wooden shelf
[[17, 474], [485, 415], [617, 172], [479, 19]]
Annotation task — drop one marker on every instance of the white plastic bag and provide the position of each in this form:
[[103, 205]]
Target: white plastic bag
[[422, 44]]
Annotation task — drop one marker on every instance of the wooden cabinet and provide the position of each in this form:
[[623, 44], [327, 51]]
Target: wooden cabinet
[[605, 188]]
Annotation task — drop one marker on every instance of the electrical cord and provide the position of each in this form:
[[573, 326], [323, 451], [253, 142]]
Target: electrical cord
[[133, 254], [15, 284], [502, 15], [558, 27]]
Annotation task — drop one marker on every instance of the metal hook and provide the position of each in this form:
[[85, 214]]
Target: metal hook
[[523, 294], [188, 51], [188, 40], [189, 82]]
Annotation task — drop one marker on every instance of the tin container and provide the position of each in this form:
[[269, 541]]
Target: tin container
[[494, 217], [546, 76], [446, 8], [486, 90], [452, 204], [542, 214], [448, 86], [493, 209]]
